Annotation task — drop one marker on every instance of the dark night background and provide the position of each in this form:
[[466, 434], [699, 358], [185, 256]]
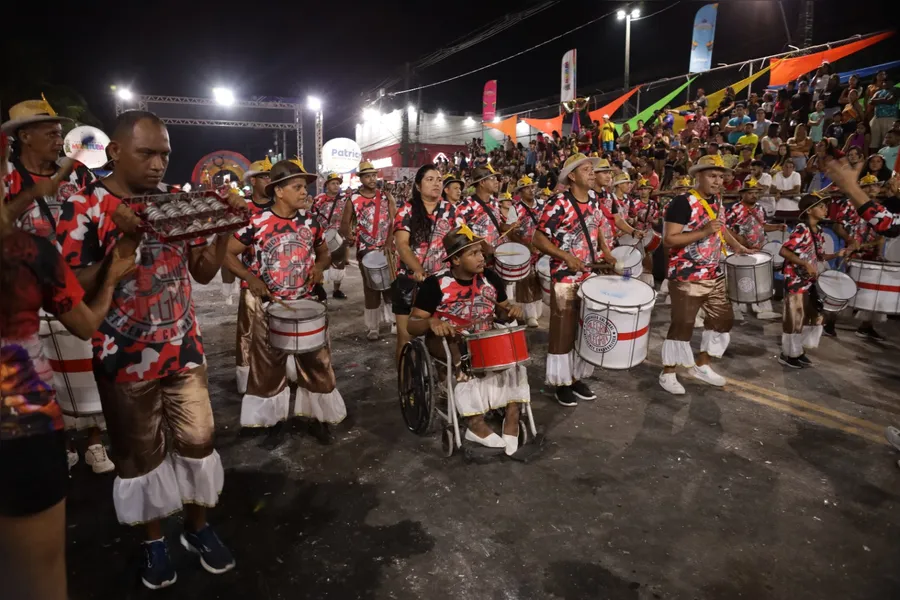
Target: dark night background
[[341, 51]]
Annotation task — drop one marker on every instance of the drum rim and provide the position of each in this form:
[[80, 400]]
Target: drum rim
[[494, 332], [880, 263], [730, 256], [499, 367], [839, 274], [373, 253], [319, 305], [636, 249], [596, 301]]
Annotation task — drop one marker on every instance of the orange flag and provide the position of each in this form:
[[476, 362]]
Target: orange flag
[[613, 106], [507, 126], [788, 69], [548, 126]]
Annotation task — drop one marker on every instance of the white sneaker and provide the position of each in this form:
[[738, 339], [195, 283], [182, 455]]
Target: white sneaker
[[698, 321], [532, 322], [72, 457], [511, 441], [491, 441], [97, 458], [373, 335], [393, 328], [670, 383], [768, 314], [707, 375]]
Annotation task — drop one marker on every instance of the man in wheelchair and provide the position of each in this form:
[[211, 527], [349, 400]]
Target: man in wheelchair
[[461, 302]]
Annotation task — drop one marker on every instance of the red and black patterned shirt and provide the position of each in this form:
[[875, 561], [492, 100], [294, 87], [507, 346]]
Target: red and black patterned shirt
[[150, 331], [284, 251], [881, 219], [643, 214], [34, 219], [559, 222], [430, 250], [859, 230], [373, 222], [247, 257], [528, 217], [483, 218], [329, 210], [610, 207], [807, 246], [467, 304], [701, 260], [40, 278], [749, 222]]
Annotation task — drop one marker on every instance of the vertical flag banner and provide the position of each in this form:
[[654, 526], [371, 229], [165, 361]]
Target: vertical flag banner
[[489, 101], [567, 87], [702, 41]]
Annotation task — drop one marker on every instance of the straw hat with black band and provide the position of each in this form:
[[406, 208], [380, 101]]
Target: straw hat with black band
[[572, 163], [458, 240], [524, 182], [365, 167], [259, 167], [708, 162], [284, 171], [451, 178], [750, 185], [30, 112], [810, 201], [333, 177], [602, 165], [479, 174], [621, 178]]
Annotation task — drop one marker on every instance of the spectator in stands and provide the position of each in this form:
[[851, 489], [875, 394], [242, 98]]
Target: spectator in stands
[[820, 82], [700, 101], [816, 122], [831, 95], [801, 103], [735, 128], [853, 112], [742, 168], [858, 139], [835, 129], [701, 123], [786, 184], [877, 84], [800, 145], [876, 166], [761, 125], [768, 104], [624, 140], [749, 138], [814, 174], [769, 145], [852, 84], [608, 134], [889, 151], [782, 104], [884, 105], [784, 155]]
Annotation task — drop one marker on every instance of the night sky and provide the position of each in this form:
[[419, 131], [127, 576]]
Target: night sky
[[341, 50]]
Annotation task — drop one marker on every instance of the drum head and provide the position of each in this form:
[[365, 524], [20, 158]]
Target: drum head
[[374, 260], [617, 291], [837, 285], [330, 234], [832, 242], [543, 265], [296, 310], [630, 256], [512, 253], [628, 240], [748, 260], [892, 250]]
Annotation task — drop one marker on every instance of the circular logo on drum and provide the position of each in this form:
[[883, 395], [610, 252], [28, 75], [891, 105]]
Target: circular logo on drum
[[746, 284], [600, 333]]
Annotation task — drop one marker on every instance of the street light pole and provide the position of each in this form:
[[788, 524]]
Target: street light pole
[[627, 17]]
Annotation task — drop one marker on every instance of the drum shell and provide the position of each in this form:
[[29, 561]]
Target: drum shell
[[749, 284], [614, 337], [71, 360], [774, 249], [543, 272], [632, 257], [297, 336], [878, 286], [509, 270], [333, 240], [830, 302], [377, 278], [497, 349], [652, 239]]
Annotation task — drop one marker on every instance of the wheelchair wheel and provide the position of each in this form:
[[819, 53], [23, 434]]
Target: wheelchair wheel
[[524, 433], [448, 442], [417, 383]]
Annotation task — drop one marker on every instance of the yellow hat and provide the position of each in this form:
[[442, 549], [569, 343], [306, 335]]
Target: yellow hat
[[546, 192], [621, 178], [572, 163], [869, 179], [332, 176], [366, 167], [602, 165], [775, 169], [506, 196], [28, 113], [257, 168], [707, 162]]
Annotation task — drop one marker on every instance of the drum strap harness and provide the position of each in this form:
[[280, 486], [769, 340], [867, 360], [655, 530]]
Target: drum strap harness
[[333, 207], [710, 214], [28, 182], [584, 229], [489, 212], [530, 213]]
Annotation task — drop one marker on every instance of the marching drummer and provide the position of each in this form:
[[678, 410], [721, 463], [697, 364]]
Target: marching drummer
[[570, 232], [453, 188], [373, 212], [643, 213], [747, 221], [528, 212], [696, 234], [481, 211], [463, 300], [844, 175], [802, 252], [329, 209], [606, 200], [291, 256], [257, 176]]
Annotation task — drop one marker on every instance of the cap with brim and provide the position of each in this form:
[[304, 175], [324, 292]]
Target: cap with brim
[[573, 162], [458, 240], [30, 112], [482, 173], [285, 175], [602, 165], [366, 167], [708, 162], [451, 178], [810, 201]]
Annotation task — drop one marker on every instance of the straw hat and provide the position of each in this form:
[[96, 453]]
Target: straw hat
[[258, 167], [572, 163], [810, 201], [750, 185], [334, 176], [451, 178], [621, 178], [546, 192], [366, 167], [479, 174], [643, 184], [683, 183], [524, 182], [285, 170], [505, 196], [30, 112], [707, 162], [869, 179], [458, 240], [602, 165]]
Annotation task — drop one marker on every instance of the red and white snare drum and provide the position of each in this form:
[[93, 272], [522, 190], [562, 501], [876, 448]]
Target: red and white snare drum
[[512, 261], [649, 243], [73, 374], [297, 326], [497, 349]]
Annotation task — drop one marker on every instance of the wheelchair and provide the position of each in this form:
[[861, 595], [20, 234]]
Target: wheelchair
[[427, 402]]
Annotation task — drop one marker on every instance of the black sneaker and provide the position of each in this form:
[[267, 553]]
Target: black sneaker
[[156, 570], [789, 361], [322, 432], [580, 389], [320, 293], [874, 335], [214, 556], [828, 330], [339, 295], [565, 396], [804, 361]]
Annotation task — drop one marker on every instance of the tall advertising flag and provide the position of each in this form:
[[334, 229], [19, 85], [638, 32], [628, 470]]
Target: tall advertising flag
[[702, 41], [567, 88], [489, 101]]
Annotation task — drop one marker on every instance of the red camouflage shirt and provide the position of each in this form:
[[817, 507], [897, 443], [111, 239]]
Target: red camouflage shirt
[[429, 251], [748, 222], [610, 207], [560, 223], [703, 259], [808, 246], [478, 218], [329, 210], [247, 257], [859, 230], [468, 305], [642, 214], [373, 222]]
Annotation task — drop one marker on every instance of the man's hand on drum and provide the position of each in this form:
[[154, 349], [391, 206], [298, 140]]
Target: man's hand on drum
[[574, 263], [514, 311], [419, 275], [257, 287], [441, 328], [317, 276]]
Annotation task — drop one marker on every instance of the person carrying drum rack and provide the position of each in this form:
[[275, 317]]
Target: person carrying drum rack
[[373, 212], [844, 176], [460, 301], [329, 208], [570, 232], [528, 291], [802, 252], [747, 221], [290, 257], [696, 234]]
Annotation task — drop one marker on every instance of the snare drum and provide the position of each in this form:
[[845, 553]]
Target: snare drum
[[878, 286], [543, 273], [375, 271], [891, 252], [833, 243], [774, 250], [512, 261], [333, 240], [298, 328], [749, 277], [630, 240], [631, 258], [497, 349], [73, 374], [836, 290], [614, 328]]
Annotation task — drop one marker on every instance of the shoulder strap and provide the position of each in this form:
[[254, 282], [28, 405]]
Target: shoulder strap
[[28, 182], [530, 212], [489, 212], [584, 229], [333, 206]]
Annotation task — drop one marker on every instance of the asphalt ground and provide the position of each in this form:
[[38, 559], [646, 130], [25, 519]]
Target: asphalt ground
[[779, 485]]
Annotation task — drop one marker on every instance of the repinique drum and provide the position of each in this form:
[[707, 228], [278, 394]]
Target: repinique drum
[[836, 290], [648, 244], [375, 271], [833, 243], [749, 277], [543, 272], [774, 250], [497, 349], [298, 328], [631, 258], [614, 328], [891, 252], [73, 374], [878, 286], [333, 240], [512, 261]]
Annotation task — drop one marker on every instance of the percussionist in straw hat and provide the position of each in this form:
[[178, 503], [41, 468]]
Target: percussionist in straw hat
[[528, 213], [329, 208], [885, 222], [258, 177], [747, 222], [290, 257], [463, 300], [643, 213], [696, 234], [373, 212], [572, 248], [614, 218], [481, 211], [453, 188]]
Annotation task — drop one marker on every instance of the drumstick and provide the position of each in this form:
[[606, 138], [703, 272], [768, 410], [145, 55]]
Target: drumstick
[[281, 302], [508, 231]]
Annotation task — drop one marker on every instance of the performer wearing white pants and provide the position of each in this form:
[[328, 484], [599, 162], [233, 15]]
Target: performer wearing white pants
[[527, 212]]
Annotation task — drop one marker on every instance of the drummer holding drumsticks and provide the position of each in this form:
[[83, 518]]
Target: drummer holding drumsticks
[[528, 211], [290, 257], [463, 300], [481, 211]]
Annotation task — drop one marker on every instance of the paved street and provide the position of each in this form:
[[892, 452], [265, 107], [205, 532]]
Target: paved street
[[778, 486]]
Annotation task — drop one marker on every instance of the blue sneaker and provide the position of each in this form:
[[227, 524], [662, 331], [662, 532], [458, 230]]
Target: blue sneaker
[[157, 571], [214, 556]]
